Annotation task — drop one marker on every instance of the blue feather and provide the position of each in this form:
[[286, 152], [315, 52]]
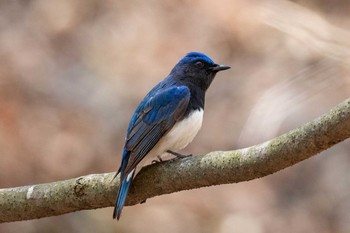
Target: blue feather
[[195, 56], [152, 119], [122, 194]]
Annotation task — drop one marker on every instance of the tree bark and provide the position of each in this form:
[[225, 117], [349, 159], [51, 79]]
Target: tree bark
[[220, 167]]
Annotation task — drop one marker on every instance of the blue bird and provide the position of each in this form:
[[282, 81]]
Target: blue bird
[[168, 118]]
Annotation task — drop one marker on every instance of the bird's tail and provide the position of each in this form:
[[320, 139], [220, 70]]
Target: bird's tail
[[122, 193]]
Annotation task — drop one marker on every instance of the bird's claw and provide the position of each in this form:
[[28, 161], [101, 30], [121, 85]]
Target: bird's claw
[[144, 201], [178, 155], [157, 161]]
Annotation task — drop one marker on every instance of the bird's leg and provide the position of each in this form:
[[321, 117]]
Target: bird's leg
[[178, 155], [157, 161]]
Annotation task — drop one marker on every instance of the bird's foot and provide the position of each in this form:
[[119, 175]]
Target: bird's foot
[[178, 155], [157, 161], [144, 201]]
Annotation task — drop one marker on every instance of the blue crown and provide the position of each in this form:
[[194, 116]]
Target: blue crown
[[196, 56]]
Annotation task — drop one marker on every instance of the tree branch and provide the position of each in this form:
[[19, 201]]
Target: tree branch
[[215, 168]]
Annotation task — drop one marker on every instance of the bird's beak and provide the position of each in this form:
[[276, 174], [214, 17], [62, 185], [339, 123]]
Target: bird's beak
[[217, 67]]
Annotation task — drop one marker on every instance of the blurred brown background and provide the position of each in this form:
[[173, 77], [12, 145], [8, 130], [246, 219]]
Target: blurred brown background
[[72, 73]]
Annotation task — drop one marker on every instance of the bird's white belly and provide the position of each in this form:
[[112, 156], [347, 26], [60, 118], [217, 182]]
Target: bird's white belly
[[180, 135]]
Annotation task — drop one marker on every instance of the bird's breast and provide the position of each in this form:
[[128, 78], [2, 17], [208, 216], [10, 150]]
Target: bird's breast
[[184, 131]]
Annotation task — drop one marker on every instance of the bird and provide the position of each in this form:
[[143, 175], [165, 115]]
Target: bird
[[167, 119]]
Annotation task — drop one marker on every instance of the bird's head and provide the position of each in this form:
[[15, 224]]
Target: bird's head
[[197, 68]]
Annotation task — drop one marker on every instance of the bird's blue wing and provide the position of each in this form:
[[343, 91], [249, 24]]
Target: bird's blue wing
[[155, 116]]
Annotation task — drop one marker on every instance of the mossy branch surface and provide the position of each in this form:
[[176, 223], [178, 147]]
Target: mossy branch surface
[[219, 167]]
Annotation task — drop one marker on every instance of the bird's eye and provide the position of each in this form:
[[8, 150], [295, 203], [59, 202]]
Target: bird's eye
[[199, 64]]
